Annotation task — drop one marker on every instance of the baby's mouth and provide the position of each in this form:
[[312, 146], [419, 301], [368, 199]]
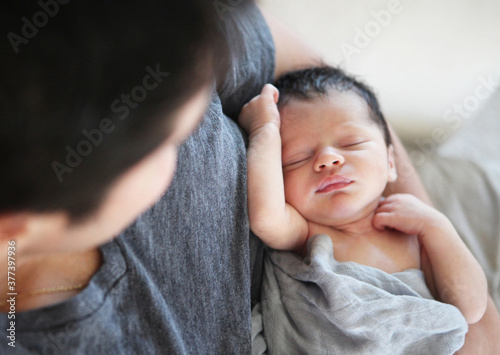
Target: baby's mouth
[[333, 183]]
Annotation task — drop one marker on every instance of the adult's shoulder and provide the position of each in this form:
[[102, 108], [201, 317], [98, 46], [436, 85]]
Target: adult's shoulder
[[251, 60]]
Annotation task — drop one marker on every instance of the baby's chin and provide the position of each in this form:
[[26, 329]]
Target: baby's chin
[[339, 219]]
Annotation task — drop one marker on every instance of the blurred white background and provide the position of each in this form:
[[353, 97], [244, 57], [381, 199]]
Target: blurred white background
[[433, 64]]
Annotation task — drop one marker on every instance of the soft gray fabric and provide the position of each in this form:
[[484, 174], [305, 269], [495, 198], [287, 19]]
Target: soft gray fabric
[[317, 305], [178, 281], [463, 180]]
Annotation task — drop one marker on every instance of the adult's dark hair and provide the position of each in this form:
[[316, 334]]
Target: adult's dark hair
[[311, 83], [87, 89]]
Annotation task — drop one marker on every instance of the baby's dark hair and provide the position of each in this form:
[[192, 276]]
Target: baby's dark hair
[[311, 83]]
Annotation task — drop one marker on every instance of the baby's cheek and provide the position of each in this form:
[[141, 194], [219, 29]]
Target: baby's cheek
[[297, 193], [377, 161], [292, 188]]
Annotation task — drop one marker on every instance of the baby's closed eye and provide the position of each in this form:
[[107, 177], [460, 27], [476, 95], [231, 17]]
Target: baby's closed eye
[[353, 143], [295, 161]]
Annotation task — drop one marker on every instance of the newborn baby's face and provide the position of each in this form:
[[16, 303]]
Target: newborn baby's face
[[335, 160]]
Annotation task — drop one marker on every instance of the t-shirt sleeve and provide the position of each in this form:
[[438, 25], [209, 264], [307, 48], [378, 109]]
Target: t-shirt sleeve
[[251, 61]]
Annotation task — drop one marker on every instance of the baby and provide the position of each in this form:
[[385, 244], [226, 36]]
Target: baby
[[319, 160]]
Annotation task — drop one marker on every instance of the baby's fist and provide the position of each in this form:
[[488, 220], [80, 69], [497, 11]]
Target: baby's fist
[[261, 110]]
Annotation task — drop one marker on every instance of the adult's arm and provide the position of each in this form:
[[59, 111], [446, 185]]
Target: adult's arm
[[408, 180], [482, 337], [292, 51]]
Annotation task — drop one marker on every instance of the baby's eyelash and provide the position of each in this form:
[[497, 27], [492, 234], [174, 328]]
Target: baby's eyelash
[[353, 144], [295, 162]]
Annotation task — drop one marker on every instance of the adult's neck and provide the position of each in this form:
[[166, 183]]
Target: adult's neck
[[46, 271]]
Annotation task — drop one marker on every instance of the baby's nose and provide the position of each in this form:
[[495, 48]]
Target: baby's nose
[[328, 160]]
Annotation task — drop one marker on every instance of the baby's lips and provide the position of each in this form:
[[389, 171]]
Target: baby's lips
[[333, 180]]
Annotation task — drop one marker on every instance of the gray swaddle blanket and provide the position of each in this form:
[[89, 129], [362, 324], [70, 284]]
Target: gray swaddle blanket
[[318, 305]]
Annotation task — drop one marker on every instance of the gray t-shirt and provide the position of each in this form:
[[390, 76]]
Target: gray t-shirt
[[180, 279]]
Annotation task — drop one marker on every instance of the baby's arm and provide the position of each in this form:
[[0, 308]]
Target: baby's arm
[[273, 220], [458, 278]]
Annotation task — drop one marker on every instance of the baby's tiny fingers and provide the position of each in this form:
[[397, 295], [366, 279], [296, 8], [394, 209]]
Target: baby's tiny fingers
[[386, 207], [271, 90], [381, 220]]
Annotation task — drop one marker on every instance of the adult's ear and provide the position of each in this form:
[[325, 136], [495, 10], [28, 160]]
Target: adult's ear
[[391, 165], [13, 225]]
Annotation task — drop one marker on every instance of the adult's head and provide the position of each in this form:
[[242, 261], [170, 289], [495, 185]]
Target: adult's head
[[94, 98]]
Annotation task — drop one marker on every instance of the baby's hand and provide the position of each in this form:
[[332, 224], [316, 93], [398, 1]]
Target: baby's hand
[[261, 110], [407, 214]]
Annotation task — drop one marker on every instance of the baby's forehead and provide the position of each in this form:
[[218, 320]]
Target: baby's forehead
[[322, 106]]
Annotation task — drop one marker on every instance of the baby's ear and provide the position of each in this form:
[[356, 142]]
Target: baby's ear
[[391, 164]]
